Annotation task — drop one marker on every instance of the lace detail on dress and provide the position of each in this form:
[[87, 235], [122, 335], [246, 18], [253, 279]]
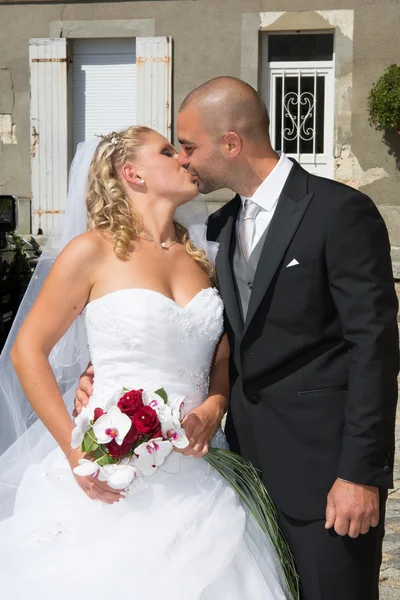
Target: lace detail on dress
[[190, 326], [198, 380], [129, 339], [46, 535], [219, 440]]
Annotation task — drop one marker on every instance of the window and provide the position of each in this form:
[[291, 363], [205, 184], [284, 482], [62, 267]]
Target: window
[[104, 86]]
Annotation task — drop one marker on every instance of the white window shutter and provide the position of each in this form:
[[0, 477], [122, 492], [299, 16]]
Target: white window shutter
[[154, 83], [49, 144]]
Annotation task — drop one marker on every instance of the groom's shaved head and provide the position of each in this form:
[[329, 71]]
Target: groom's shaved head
[[228, 104], [223, 130]]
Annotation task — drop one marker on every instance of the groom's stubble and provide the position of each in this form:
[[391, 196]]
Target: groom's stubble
[[206, 117]]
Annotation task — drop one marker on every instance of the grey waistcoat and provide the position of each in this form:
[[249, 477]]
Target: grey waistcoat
[[244, 273]]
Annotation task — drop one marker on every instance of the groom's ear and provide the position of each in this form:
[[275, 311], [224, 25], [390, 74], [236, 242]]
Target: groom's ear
[[130, 174], [232, 144]]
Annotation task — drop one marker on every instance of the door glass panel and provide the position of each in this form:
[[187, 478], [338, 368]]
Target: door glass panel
[[299, 113], [300, 47]]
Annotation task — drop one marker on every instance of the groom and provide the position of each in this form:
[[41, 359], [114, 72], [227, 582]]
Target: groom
[[311, 314], [304, 271]]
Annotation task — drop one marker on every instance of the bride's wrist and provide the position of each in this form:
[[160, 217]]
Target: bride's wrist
[[73, 455]]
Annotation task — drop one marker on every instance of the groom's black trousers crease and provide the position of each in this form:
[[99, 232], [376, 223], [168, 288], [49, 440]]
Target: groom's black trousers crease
[[332, 567]]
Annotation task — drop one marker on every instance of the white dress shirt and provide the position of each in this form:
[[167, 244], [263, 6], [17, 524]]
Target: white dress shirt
[[267, 196]]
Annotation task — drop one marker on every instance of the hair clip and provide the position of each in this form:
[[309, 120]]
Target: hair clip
[[112, 138]]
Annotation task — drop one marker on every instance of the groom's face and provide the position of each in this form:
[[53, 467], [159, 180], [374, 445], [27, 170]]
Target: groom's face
[[200, 152]]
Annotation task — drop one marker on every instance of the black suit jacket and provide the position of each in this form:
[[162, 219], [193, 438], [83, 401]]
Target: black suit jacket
[[314, 367]]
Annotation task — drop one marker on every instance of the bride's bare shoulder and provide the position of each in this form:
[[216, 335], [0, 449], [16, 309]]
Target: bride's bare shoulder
[[89, 245]]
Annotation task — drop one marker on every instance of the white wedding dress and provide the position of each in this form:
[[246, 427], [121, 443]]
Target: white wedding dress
[[182, 533]]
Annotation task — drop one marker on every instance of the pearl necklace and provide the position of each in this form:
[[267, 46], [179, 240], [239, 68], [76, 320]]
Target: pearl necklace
[[162, 244]]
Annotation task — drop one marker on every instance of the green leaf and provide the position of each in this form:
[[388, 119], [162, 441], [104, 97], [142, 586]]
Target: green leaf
[[106, 460], [163, 394], [98, 453], [89, 443]]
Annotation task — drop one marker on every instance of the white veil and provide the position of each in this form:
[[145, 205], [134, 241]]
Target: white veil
[[24, 440]]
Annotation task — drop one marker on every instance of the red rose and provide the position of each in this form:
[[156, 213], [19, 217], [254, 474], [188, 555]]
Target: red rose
[[98, 412], [132, 436], [119, 451], [131, 402], [146, 421], [157, 434]]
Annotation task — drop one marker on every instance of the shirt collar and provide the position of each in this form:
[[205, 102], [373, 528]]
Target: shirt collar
[[267, 194]]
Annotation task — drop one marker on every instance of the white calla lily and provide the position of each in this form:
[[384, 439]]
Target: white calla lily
[[113, 425], [82, 423], [118, 477], [152, 454], [86, 467]]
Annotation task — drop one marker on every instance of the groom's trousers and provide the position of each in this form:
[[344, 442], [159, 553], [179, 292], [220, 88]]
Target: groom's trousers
[[332, 567]]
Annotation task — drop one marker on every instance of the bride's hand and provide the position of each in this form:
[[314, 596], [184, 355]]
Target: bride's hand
[[201, 424], [91, 486], [84, 390]]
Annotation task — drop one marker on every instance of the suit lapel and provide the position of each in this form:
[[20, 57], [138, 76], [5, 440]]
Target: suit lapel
[[223, 265], [288, 215]]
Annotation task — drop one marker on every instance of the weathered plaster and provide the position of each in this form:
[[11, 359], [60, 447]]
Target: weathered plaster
[[293, 21], [103, 29], [349, 171], [343, 19], [268, 18], [7, 130]]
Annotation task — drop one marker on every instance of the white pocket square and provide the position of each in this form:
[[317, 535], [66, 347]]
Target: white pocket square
[[293, 263]]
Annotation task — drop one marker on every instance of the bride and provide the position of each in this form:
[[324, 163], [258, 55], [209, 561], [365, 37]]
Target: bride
[[153, 319]]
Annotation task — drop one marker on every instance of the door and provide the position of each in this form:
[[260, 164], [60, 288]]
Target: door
[[299, 95]]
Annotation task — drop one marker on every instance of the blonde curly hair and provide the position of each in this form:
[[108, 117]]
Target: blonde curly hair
[[109, 208]]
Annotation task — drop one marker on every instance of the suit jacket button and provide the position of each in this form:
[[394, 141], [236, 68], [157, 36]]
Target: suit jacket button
[[254, 399], [250, 285], [387, 469]]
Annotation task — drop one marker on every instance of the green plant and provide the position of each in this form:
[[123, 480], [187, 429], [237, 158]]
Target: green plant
[[384, 100], [20, 271]]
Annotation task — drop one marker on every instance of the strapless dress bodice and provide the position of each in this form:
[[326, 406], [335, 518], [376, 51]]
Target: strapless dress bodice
[[139, 338]]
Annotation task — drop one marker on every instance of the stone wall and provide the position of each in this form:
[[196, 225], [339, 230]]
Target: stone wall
[[213, 38]]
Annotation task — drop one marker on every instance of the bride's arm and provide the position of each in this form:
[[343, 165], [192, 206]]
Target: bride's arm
[[63, 296], [202, 422]]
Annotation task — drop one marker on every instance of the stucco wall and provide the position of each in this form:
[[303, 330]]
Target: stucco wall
[[208, 42]]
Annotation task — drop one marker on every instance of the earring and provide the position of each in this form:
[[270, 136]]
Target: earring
[[141, 180]]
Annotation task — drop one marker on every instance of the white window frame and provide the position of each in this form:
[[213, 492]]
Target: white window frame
[[324, 68]]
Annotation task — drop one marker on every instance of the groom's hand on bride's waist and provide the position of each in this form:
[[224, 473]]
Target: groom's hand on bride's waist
[[84, 390], [352, 508]]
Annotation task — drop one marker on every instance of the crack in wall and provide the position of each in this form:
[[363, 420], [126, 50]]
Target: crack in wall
[[61, 19]]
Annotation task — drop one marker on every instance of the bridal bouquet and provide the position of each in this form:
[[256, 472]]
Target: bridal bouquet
[[132, 435]]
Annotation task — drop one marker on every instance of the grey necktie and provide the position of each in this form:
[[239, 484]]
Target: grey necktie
[[247, 227]]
